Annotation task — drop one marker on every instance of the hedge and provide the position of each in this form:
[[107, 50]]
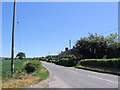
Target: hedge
[[112, 63], [68, 62]]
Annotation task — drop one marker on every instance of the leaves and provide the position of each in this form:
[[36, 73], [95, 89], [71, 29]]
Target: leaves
[[96, 46], [20, 55]]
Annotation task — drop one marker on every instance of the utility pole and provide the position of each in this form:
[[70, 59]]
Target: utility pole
[[70, 44], [119, 20], [13, 30]]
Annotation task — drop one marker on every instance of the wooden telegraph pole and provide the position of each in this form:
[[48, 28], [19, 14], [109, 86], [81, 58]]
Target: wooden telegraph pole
[[13, 30]]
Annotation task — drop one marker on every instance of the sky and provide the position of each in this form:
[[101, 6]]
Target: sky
[[44, 28]]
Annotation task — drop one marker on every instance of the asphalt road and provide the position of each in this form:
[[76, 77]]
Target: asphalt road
[[79, 78]]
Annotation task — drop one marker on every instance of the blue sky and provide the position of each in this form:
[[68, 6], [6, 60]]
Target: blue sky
[[45, 28]]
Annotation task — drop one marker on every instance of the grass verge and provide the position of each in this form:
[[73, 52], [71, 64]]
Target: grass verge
[[30, 73], [101, 70]]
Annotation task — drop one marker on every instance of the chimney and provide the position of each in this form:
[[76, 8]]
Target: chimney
[[73, 47], [66, 49]]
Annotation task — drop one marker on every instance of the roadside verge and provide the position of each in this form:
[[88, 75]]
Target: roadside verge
[[32, 72], [98, 70]]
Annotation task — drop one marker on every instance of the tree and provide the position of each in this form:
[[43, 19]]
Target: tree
[[95, 46], [113, 45], [20, 55]]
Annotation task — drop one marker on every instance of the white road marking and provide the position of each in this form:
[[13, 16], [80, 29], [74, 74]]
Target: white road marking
[[103, 79]]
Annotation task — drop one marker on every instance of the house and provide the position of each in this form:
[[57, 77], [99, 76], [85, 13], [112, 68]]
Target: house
[[68, 52]]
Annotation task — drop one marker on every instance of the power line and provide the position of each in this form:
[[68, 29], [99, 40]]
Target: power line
[[115, 29], [18, 29]]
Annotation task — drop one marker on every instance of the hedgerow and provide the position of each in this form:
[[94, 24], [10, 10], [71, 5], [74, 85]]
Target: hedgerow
[[112, 63]]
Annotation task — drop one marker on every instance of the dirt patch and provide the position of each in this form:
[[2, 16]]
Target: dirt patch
[[18, 83]]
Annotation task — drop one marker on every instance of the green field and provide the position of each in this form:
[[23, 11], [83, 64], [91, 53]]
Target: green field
[[6, 65]]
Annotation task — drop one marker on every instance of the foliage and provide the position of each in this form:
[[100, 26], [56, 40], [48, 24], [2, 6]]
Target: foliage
[[49, 58], [40, 73], [100, 69], [28, 58], [68, 60], [71, 57], [43, 59], [97, 46], [22, 69], [55, 61], [20, 55], [30, 67], [110, 63]]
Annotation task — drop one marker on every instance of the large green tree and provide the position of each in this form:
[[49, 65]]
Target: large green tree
[[98, 46], [20, 55], [113, 44]]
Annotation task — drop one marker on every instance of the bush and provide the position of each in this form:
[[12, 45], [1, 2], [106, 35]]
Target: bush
[[30, 67], [68, 60], [49, 60], [43, 59], [55, 61], [112, 63], [71, 57]]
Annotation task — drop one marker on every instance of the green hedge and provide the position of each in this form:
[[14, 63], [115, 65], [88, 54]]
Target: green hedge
[[43, 59], [112, 63], [67, 62], [55, 61]]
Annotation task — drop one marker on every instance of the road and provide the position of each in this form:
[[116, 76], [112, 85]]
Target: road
[[70, 77]]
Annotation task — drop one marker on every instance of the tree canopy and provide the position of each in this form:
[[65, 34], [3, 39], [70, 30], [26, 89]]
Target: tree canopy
[[20, 55], [98, 46]]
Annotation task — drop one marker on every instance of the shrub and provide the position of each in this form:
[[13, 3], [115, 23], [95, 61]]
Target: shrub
[[43, 59], [30, 67], [68, 60], [55, 61], [71, 57]]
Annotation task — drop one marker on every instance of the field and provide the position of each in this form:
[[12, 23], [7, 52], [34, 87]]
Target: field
[[6, 65]]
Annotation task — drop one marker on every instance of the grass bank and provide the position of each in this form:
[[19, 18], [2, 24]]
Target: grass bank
[[110, 66], [27, 73]]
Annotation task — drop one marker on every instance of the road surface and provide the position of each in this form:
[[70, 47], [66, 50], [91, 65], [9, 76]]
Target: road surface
[[70, 77]]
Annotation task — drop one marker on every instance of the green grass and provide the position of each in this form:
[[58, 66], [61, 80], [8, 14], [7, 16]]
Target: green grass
[[100, 59], [43, 75], [6, 65]]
